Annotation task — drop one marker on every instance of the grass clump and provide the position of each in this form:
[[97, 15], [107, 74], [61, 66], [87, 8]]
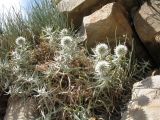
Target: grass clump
[[67, 82], [40, 14], [44, 14]]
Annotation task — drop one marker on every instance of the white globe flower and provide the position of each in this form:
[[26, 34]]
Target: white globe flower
[[121, 51], [102, 67], [20, 41], [101, 49], [67, 41]]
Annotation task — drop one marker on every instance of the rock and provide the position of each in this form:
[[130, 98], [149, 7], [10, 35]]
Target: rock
[[110, 23], [77, 9], [130, 4], [147, 25], [19, 109], [145, 101]]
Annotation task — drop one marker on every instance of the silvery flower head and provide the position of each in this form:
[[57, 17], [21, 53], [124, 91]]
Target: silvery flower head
[[102, 67], [120, 51], [64, 32], [67, 41], [101, 49], [20, 41]]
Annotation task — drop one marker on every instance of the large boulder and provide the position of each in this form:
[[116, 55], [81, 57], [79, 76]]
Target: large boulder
[[145, 101], [110, 23], [77, 9], [131, 4], [20, 109], [147, 25]]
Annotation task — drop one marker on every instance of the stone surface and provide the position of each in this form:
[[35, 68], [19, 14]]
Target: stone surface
[[145, 101], [147, 24], [77, 9], [108, 23], [18, 109], [130, 4]]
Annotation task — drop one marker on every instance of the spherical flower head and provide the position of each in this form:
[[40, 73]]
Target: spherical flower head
[[64, 32], [102, 67], [20, 41], [101, 49], [67, 41], [120, 51]]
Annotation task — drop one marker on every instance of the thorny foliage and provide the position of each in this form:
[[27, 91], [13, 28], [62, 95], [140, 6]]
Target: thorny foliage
[[66, 81]]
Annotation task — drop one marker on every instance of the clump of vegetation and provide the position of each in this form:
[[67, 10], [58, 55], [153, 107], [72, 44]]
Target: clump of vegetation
[[67, 82], [71, 84]]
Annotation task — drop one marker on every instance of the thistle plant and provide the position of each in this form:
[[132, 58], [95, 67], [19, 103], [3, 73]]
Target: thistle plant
[[120, 57], [102, 63], [64, 46], [67, 52], [101, 51], [66, 81], [51, 36], [102, 68], [110, 70], [68, 47], [20, 54], [120, 51], [22, 81], [107, 65], [54, 37]]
